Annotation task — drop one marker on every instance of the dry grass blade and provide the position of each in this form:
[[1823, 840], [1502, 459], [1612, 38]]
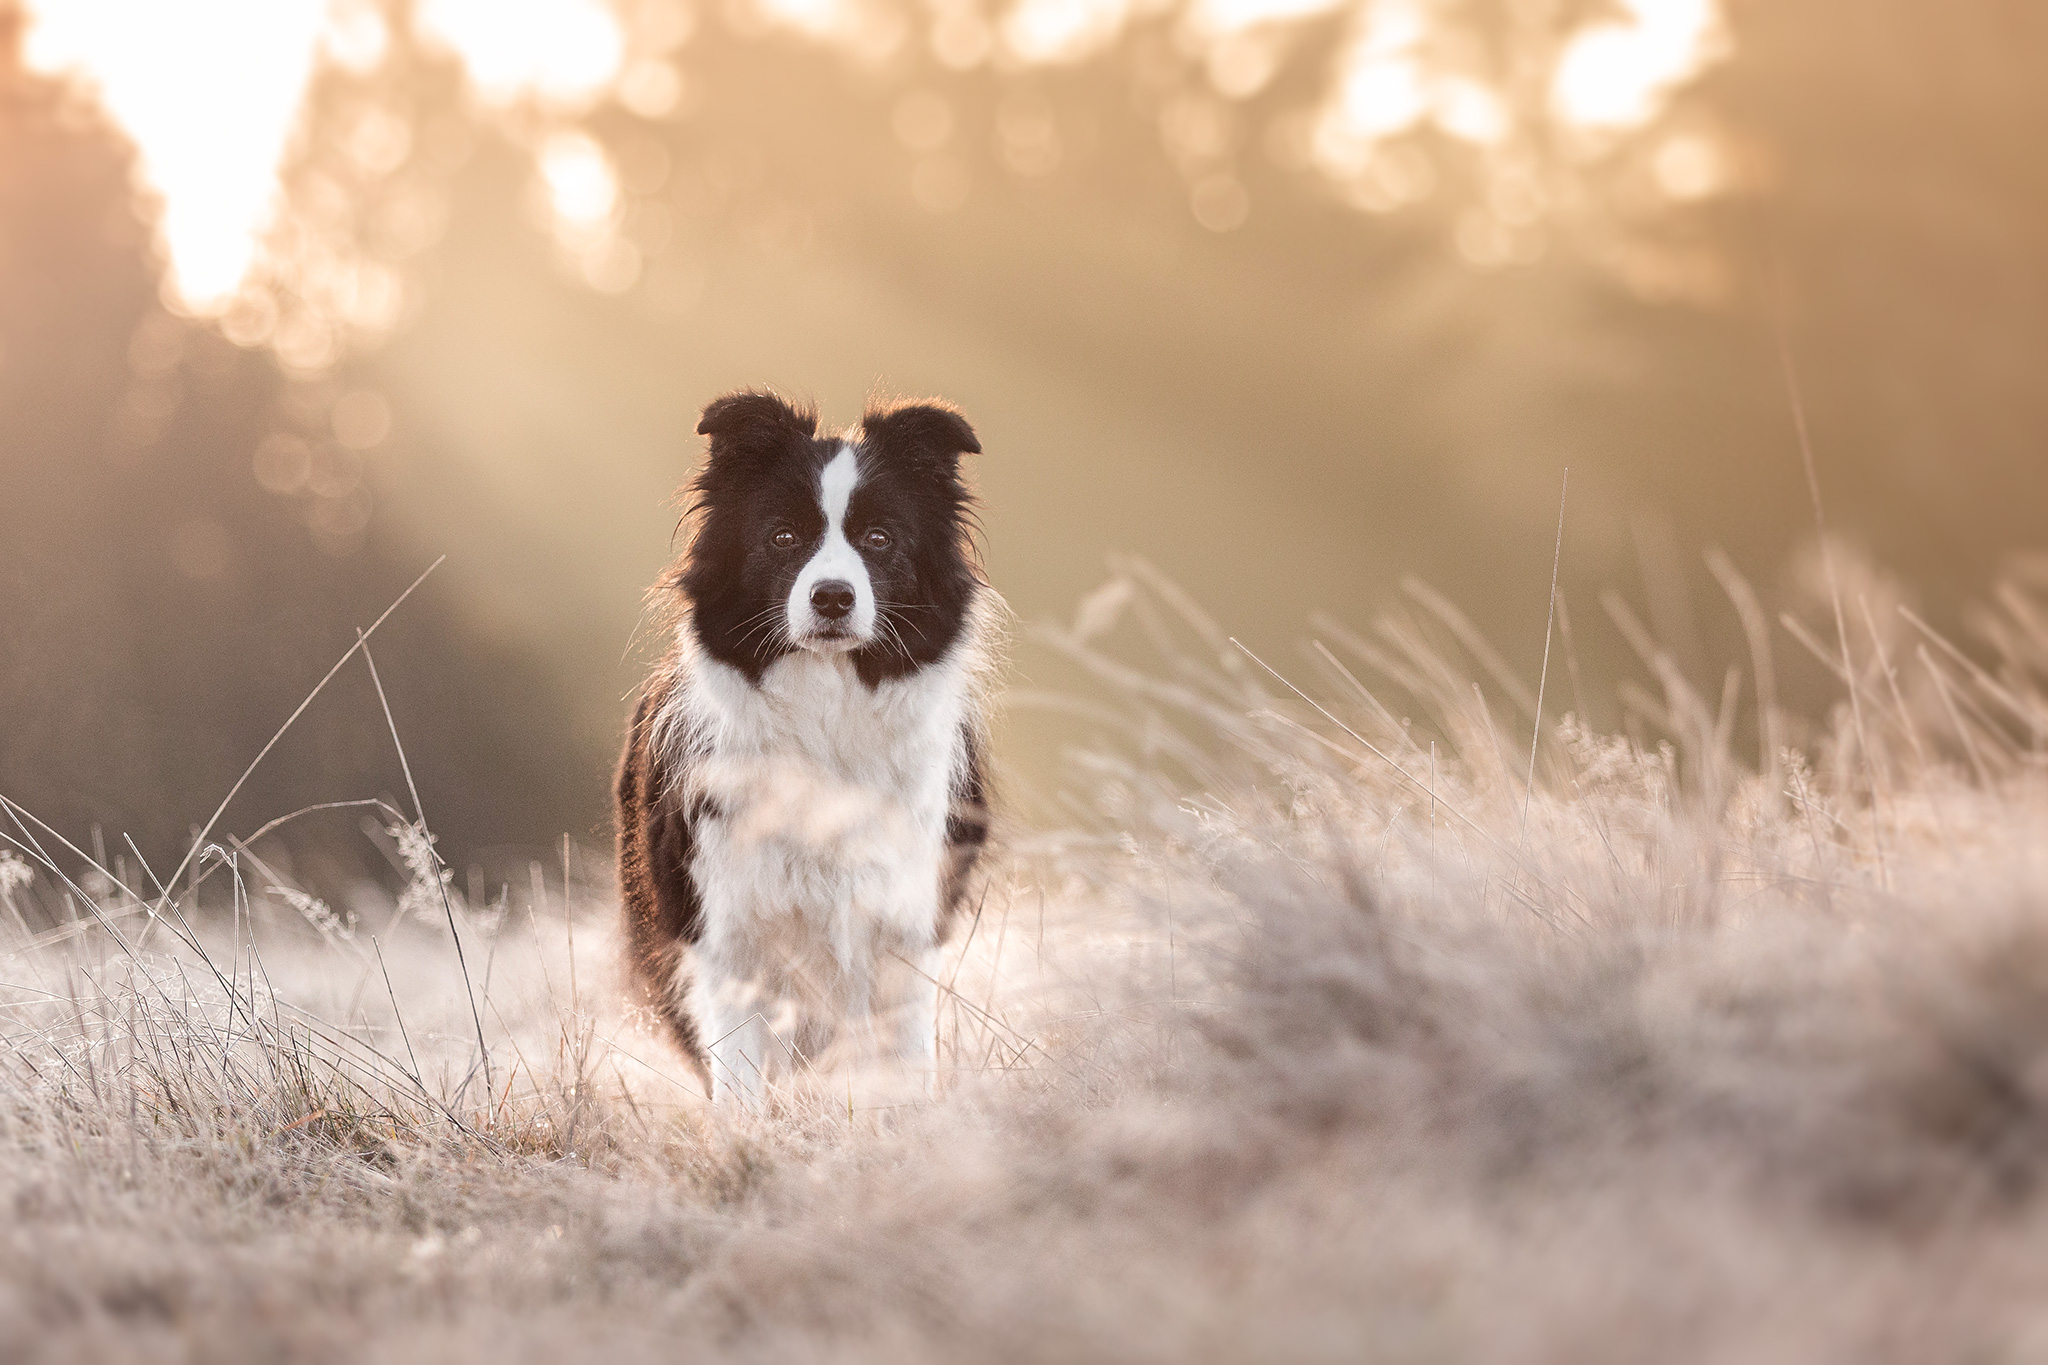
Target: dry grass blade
[[1791, 374], [441, 874], [1543, 676], [205, 830]]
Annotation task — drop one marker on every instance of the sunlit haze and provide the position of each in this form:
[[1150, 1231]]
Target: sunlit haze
[[211, 92]]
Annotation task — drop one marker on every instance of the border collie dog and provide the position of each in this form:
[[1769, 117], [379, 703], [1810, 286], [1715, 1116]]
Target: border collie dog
[[803, 793]]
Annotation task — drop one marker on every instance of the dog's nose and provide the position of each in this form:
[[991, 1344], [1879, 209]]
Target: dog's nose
[[832, 599]]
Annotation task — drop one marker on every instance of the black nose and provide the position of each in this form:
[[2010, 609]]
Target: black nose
[[832, 599]]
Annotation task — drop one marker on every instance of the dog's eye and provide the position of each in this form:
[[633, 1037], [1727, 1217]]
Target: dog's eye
[[876, 539], [784, 539]]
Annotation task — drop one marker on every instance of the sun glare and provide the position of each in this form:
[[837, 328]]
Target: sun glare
[[1616, 75], [1040, 32], [209, 92], [212, 92], [1381, 88], [565, 53]]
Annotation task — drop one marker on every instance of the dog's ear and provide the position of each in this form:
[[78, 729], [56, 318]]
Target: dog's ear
[[928, 433], [754, 423]]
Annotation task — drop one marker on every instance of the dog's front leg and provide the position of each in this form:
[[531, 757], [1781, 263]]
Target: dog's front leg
[[905, 1015], [734, 1017]]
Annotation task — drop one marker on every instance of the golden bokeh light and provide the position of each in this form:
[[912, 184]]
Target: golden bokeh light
[[213, 94], [1038, 32], [582, 187], [1218, 18], [1616, 75], [565, 53]]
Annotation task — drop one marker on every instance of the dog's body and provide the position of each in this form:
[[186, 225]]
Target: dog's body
[[803, 792]]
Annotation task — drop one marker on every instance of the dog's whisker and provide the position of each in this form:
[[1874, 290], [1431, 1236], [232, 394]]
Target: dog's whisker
[[896, 635]]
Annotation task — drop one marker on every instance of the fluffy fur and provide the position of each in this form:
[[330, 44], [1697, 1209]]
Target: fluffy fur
[[803, 793]]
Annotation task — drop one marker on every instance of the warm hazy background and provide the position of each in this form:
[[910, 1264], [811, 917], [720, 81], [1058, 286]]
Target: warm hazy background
[[1291, 297]]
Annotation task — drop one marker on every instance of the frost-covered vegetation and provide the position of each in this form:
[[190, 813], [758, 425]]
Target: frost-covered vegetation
[[1318, 1034]]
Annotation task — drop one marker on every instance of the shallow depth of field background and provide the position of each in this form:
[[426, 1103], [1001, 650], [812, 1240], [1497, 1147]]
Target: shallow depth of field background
[[1292, 298]]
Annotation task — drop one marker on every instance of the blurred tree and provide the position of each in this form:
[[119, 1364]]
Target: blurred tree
[[160, 613]]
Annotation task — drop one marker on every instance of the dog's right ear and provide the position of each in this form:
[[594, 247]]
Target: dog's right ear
[[754, 422]]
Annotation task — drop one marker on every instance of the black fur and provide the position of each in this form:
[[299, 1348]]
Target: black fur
[[657, 843], [966, 833]]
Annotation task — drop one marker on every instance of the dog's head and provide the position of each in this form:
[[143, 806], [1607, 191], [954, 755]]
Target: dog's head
[[855, 544]]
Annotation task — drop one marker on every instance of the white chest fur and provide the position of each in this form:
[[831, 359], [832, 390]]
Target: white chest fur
[[820, 841], [827, 801]]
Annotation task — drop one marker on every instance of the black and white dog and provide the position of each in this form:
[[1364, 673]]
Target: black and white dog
[[803, 793]]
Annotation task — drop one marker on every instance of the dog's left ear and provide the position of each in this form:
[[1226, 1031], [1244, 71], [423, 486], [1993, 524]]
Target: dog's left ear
[[933, 434]]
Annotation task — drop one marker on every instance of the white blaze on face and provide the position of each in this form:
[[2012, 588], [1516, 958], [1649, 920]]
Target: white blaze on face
[[836, 559]]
